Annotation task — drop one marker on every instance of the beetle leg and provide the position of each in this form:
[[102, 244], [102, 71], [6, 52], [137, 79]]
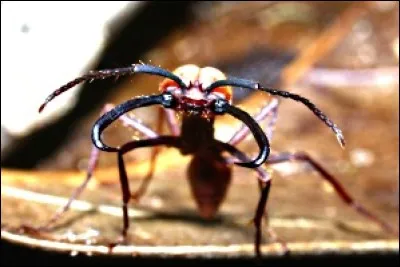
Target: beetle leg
[[174, 128], [271, 109], [153, 159], [264, 183], [259, 214], [172, 122], [94, 156], [271, 232], [339, 189], [126, 194]]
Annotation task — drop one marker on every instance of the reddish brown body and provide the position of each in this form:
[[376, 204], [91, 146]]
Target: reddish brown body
[[199, 94], [208, 174], [209, 177]]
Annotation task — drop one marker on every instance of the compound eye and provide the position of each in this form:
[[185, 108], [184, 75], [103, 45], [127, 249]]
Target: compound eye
[[223, 92]]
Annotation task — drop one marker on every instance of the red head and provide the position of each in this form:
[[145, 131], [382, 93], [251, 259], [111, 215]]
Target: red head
[[195, 97]]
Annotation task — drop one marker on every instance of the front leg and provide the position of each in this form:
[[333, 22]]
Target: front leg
[[93, 160], [264, 183], [170, 141]]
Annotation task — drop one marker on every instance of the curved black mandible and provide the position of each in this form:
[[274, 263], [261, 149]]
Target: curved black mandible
[[256, 86], [222, 106], [101, 124]]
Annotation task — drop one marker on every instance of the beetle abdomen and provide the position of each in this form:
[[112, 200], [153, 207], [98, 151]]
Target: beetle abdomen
[[209, 179]]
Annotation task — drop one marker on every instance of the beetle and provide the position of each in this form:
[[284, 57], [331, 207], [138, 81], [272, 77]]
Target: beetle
[[199, 94]]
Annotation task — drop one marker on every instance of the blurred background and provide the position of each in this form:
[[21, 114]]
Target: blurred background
[[342, 55]]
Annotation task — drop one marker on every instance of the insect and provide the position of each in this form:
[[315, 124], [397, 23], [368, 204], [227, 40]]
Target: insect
[[199, 95]]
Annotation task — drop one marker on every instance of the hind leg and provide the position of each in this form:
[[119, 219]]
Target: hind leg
[[339, 189]]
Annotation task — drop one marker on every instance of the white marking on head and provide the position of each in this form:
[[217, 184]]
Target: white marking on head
[[208, 75], [188, 73]]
